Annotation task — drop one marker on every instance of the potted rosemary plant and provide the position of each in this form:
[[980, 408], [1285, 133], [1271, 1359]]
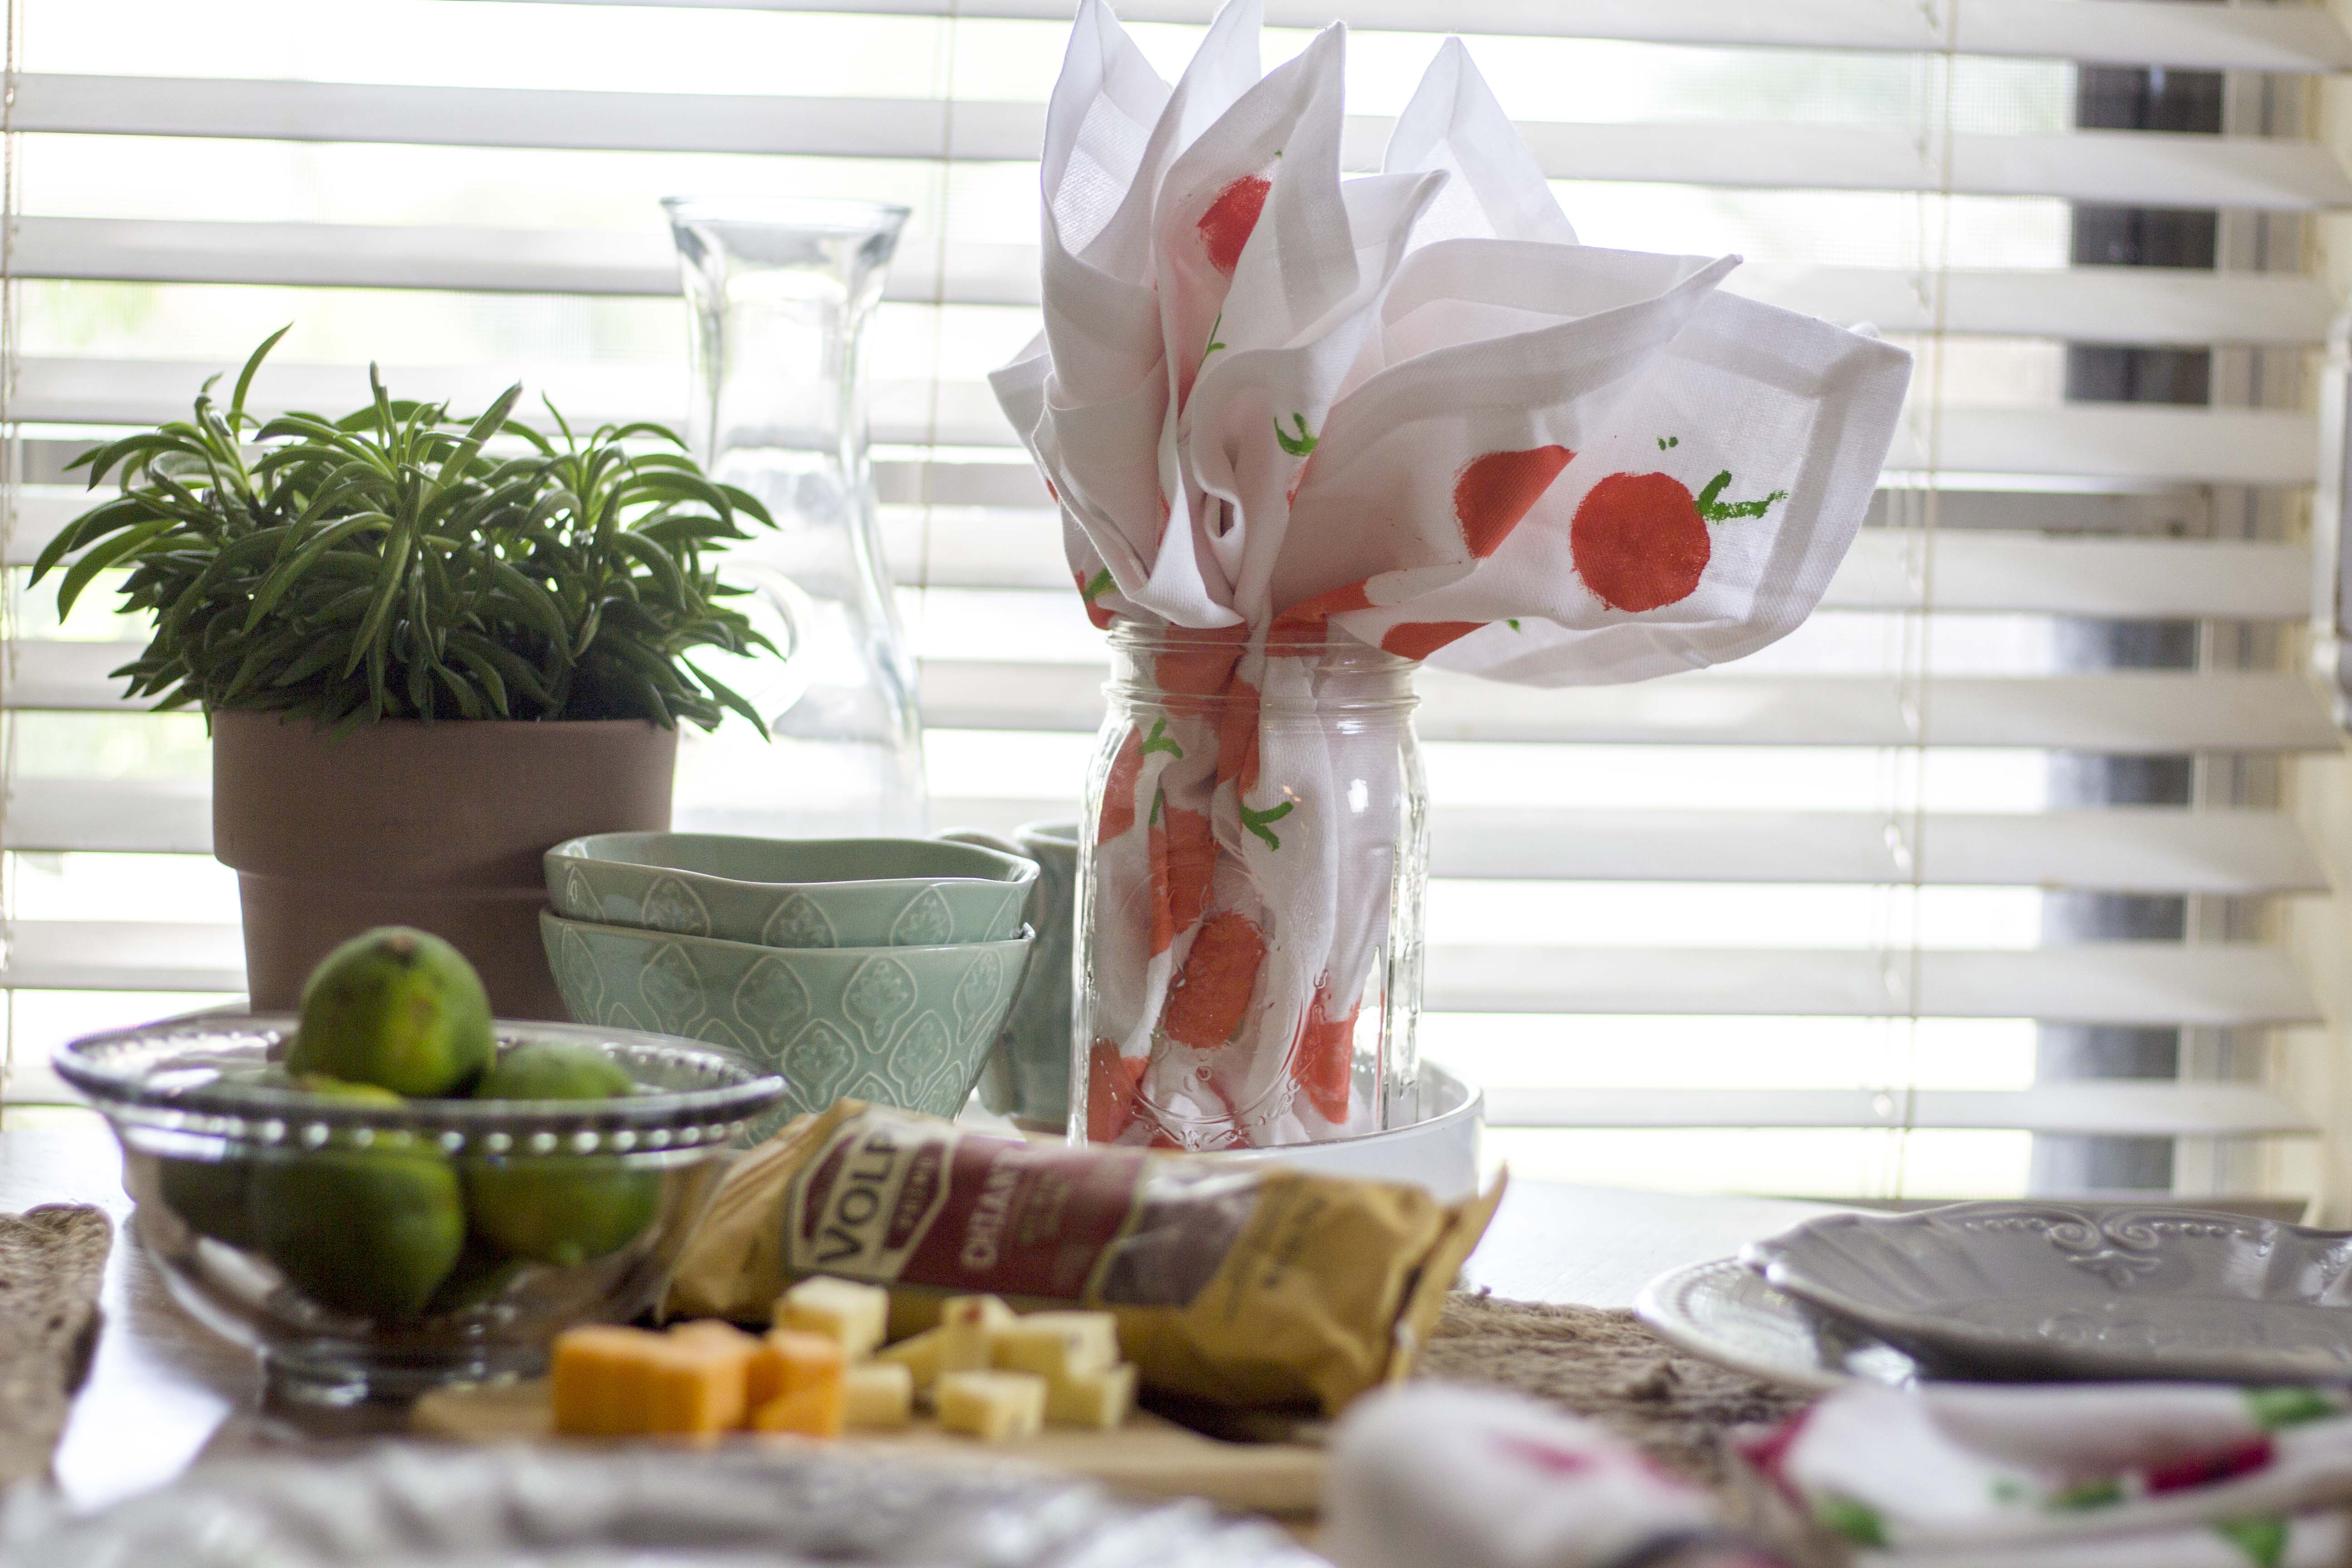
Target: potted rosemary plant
[[426, 647]]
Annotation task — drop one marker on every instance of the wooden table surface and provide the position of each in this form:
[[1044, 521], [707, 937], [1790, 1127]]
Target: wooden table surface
[[162, 1390]]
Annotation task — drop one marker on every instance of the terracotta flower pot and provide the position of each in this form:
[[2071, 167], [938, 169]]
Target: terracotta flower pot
[[437, 826]]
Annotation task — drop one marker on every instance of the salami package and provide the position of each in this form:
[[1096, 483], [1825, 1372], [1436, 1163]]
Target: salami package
[[1238, 1284]]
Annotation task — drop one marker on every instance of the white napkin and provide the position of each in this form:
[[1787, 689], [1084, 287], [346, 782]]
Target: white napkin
[[1407, 405], [1434, 1476], [2073, 1476]]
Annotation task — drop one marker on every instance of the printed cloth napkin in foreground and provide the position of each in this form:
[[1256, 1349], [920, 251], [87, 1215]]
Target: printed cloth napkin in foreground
[[2073, 1476], [1272, 400], [1433, 1475]]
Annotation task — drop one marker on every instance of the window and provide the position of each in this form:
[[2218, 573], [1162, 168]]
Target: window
[[1972, 886]]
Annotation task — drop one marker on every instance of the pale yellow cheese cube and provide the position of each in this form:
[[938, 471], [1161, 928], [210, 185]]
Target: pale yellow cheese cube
[[967, 1329], [919, 1354], [880, 1396], [843, 1309], [1098, 1400], [992, 1405], [1057, 1345]]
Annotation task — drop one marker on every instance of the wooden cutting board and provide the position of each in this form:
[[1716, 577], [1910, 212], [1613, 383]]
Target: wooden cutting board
[[1150, 1456]]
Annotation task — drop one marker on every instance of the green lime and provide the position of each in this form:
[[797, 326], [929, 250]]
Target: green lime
[[481, 1276], [558, 1209], [210, 1196], [554, 1070], [370, 1232], [562, 1209], [397, 1008]]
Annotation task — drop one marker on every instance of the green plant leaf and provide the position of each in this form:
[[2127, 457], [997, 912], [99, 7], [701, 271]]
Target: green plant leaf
[[245, 376]]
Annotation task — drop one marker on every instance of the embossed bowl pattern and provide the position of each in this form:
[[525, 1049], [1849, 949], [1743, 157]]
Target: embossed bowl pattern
[[793, 892], [909, 1026], [2038, 1290]]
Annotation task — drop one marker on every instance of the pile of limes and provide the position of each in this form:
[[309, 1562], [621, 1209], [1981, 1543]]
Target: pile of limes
[[398, 1229]]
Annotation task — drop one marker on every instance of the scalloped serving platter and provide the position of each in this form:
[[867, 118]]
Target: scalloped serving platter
[[2054, 1292]]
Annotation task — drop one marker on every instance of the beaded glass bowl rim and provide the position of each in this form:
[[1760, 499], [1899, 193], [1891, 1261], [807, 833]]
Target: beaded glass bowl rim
[[119, 1070]]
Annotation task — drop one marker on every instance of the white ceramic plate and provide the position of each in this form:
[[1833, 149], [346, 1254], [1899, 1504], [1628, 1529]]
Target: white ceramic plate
[[1724, 1312], [2060, 1291]]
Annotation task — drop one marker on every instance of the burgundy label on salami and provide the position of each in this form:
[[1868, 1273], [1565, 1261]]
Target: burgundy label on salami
[[917, 1202]]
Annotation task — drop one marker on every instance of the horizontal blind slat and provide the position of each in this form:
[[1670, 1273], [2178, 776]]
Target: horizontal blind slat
[[2120, 167], [2089, 304], [2134, 713], [2011, 572], [2105, 1110], [123, 955], [2151, 984], [2124, 578], [1975, 571], [502, 260], [2128, 713], [2121, 32], [2127, 442], [2141, 850]]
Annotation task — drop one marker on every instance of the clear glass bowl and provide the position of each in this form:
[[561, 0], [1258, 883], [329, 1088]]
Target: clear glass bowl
[[367, 1250]]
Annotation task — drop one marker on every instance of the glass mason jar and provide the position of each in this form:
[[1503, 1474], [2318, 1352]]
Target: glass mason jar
[[1252, 867], [781, 292]]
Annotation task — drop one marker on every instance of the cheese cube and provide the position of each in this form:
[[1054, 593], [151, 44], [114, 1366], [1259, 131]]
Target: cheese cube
[[694, 1388], [879, 1395], [847, 1311], [967, 1327], [789, 1359], [1057, 1345], [919, 1354], [597, 1379], [796, 1385], [816, 1411], [992, 1405], [1098, 1400]]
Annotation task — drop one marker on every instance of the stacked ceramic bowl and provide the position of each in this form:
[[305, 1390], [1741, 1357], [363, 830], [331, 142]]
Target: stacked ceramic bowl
[[876, 968]]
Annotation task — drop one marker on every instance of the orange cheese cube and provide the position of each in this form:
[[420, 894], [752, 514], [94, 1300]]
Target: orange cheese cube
[[789, 1359], [725, 1355], [598, 1382], [695, 1389], [818, 1410]]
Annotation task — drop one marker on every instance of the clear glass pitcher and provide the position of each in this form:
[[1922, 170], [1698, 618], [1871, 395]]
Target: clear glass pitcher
[[781, 291]]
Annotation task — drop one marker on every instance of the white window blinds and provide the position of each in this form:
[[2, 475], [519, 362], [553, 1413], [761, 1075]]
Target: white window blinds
[[1869, 912]]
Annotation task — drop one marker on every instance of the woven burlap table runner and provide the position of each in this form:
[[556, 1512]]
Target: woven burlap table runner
[[1606, 1365], [51, 1260]]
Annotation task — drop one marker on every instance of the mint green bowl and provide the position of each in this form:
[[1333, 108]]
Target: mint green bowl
[[793, 892], [909, 1026]]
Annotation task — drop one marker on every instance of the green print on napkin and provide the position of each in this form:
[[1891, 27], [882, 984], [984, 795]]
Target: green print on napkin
[[1856, 1522], [2103, 1492], [1298, 446], [2264, 1541], [1258, 822], [1158, 740], [2273, 1409], [1714, 510]]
